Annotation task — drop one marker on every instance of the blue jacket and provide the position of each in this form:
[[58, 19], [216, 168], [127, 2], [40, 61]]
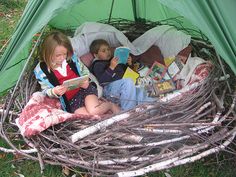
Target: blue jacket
[[47, 86], [103, 73]]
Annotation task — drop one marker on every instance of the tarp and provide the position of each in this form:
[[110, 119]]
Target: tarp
[[215, 18]]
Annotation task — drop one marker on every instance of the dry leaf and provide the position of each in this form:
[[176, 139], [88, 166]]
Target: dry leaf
[[13, 166], [167, 174], [8, 15], [2, 155], [18, 174], [65, 171], [18, 156]]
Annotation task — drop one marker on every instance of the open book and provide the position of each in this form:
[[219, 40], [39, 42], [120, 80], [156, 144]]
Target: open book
[[75, 82], [122, 53]]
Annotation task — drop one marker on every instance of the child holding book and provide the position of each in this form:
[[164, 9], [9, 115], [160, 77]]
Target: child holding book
[[110, 75], [58, 64]]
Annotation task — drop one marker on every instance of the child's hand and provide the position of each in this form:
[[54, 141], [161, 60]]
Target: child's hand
[[113, 63], [129, 61], [59, 90], [85, 84]]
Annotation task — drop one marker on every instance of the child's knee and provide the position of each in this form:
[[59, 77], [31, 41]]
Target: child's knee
[[93, 110]]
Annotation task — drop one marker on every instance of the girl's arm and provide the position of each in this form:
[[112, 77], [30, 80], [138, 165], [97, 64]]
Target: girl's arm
[[47, 90]]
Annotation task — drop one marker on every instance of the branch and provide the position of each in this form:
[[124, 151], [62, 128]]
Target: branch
[[176, 160]]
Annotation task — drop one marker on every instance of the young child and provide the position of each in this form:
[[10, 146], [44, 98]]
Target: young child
[[109, 74], [58, 63]]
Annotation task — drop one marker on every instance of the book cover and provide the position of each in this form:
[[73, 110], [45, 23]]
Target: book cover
[[158, 71], [75, 82], [163, 87], [129, 73], [168, 60], [122, 53], [174, 68]]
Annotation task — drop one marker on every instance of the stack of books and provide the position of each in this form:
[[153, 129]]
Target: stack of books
[[164, 75]]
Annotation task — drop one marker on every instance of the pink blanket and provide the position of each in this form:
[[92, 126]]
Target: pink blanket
[[42, 112]]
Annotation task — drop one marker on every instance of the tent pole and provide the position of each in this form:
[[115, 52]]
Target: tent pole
[[223, 69], [112, 4], [134, 10], [5, 114]]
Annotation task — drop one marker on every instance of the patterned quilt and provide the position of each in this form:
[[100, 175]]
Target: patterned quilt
[[42, 112]]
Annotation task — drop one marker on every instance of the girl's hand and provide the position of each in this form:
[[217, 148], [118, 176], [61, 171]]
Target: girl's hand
[[129, 61], [85, 84], [113, 63], [59, 90]]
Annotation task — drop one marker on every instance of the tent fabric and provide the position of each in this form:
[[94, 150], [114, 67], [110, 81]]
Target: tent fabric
[[35, 16], [90, 31], [167, 38], [214, 18]]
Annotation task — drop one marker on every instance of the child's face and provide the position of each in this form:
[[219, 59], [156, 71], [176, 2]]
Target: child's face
[[104, 53], [59, 55]]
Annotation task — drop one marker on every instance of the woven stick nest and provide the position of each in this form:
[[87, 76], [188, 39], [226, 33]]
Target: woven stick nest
[[150, 137]]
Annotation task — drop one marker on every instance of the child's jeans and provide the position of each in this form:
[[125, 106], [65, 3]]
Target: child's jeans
[[127, 94]]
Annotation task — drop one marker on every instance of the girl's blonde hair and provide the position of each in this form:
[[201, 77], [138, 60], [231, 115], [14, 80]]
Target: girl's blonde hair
[[49, 44]]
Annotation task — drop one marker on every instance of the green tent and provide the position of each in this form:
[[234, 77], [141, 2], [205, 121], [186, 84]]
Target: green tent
[[214, 18]]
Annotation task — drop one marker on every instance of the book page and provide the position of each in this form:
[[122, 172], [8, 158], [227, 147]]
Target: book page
[[75, 82]]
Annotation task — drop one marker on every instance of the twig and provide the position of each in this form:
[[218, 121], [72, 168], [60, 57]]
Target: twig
[[176, 160], [182, 124], [10, 112]]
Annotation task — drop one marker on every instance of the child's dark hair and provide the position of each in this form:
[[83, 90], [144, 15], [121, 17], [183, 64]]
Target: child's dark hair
[[96, 44]]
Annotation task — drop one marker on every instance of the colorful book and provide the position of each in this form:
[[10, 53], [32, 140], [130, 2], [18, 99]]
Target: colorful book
[[75, 82], [174, 68], [129, 73], [122, 53], [168, 60], [158, 71], [163, 87]]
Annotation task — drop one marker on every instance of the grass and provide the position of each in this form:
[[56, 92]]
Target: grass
[[217, 165], [207, 167], [10, 12]]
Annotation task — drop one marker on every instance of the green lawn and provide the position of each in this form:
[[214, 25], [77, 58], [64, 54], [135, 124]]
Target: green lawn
[[208, 167], [10, 12], [219, 165]]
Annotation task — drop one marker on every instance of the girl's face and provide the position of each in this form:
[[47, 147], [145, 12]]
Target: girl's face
[[104, 53], [59, 55]]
